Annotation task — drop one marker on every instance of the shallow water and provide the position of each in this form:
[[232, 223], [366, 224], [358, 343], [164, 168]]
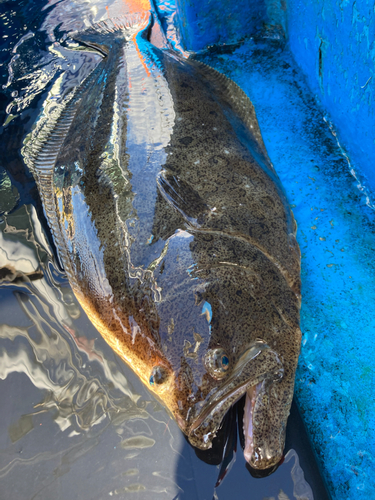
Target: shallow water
[[76, 422]]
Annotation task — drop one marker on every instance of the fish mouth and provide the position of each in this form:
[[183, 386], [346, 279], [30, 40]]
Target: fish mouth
[[257, 364]]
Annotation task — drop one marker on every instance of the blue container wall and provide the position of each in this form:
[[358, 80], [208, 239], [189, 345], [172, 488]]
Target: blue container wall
[[334, 44], [208, 22]]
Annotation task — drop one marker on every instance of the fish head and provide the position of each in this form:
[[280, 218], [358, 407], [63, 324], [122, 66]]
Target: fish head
[[257, 375], [228, 334]]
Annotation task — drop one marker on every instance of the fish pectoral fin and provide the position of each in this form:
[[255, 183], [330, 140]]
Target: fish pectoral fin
[[182, 197], [102, 35]]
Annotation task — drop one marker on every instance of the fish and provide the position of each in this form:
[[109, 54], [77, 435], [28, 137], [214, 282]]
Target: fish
[[175, 233]]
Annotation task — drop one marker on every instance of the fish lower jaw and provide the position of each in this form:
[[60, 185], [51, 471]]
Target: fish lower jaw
[[257, 462], [255, 456]]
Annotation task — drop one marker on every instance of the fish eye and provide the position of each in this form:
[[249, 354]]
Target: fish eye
[[158, 375], [217, 363]]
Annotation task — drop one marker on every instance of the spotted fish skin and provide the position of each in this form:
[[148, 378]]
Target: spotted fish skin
[[175, 233]]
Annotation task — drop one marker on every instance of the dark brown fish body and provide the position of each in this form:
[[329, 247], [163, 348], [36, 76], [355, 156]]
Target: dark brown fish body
[[176, 235]]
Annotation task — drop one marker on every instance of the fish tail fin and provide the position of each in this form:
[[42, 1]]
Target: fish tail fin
[[101, 35]]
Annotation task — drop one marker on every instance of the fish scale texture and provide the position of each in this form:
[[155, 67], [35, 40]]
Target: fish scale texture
[[335, 378]]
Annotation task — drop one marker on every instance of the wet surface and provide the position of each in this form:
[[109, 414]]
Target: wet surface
[[78, 423]]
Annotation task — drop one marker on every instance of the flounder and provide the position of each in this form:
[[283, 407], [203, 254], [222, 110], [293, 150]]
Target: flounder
[[175, 233]]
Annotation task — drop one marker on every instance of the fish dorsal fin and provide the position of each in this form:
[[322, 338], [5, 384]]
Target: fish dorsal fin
[[41, 149], [43, 144], [102, 34], [241, 105]]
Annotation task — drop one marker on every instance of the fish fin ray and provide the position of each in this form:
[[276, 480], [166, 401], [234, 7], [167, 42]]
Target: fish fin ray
[[42, 147], [40, 152]]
